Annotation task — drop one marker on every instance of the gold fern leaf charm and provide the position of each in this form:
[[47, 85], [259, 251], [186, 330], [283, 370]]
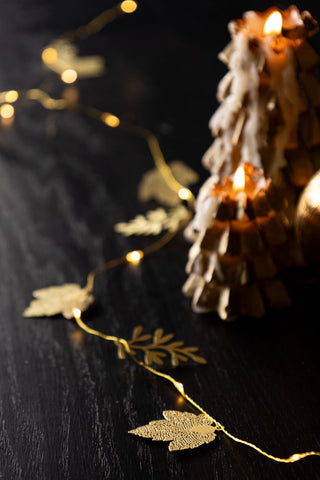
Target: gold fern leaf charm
[[159, 347], [155, 221], [182, 429]]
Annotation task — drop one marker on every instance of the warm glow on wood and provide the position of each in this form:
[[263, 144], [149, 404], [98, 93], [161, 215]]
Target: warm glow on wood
[[239, 180], [273, 24]]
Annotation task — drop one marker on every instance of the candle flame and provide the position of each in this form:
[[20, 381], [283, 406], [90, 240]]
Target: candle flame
[[239, 180], [273, 24]]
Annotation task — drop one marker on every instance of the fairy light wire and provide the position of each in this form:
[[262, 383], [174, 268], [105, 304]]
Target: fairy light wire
[[112, 121], [100, 21], [151, 248], [295, 457]]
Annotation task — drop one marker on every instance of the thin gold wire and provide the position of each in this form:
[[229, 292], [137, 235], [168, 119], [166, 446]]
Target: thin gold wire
[[153, 247], [44, 99], [50, 103], [295, 457], [95, 25], [153, 145]]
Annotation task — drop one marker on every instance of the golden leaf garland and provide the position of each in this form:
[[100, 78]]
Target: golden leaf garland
[[181, 442], [183, 429], [182, 192]]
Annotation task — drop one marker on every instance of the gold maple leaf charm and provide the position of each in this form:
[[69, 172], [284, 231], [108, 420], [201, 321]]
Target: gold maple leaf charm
[[59, 299], [154, 186], [183, 429]]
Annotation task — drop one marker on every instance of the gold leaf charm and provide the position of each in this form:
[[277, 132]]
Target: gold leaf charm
[[183, 429], [59, 299], [154, 222], [159, 348], [153, 185]]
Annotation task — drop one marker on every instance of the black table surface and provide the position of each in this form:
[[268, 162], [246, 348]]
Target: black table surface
[[66, 400]]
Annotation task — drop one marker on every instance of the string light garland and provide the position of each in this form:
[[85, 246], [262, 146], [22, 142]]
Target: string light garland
[[71, 300], [112, 121], [101, 21], [134, 257], [295, 457]]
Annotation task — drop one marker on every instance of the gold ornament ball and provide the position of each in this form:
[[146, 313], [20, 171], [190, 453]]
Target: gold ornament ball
[[308, 221]]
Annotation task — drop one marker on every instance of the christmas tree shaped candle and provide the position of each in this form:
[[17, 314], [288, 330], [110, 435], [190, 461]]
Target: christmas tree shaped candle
[[241, 246], [270, 99], [268, 122]]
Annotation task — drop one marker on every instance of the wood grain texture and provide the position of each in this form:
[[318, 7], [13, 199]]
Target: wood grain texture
[[66, 401]]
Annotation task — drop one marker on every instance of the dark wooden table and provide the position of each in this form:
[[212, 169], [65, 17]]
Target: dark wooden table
[[66, 400]]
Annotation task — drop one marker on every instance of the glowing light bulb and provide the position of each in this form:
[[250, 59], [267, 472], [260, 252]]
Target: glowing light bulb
[[239, 180], [49, 55], [110, 120], [6, 111], [135, 256], [184, 193], [76, 312], [128, 6], [69, 76], [273, 24], [11, 96], [295, 457], [180, 387]]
